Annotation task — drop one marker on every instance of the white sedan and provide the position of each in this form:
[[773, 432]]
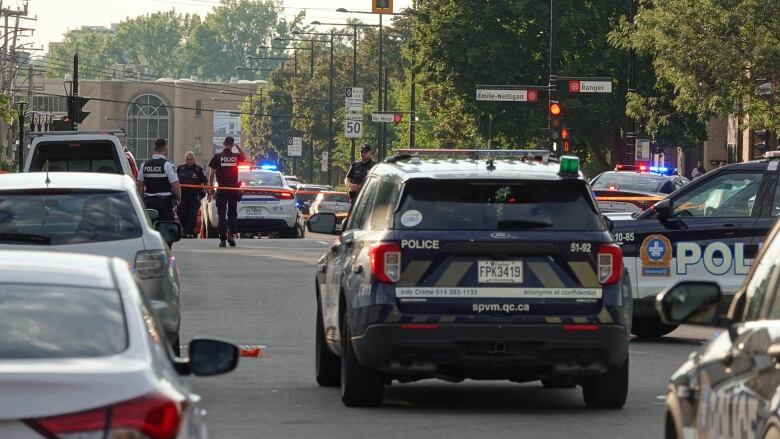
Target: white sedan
[[81, 355]]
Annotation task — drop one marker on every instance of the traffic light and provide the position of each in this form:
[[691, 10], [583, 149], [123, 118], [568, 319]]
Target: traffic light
[[760, 139], [398, 118], [556, 111], [382, 6], [75, 106], [566, 145]]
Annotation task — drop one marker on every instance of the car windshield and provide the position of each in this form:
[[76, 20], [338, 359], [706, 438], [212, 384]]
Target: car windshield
[[336, 198], [258, 177], [489, 205], [60, 217], [52, 321], [76, 156], [630, 182]]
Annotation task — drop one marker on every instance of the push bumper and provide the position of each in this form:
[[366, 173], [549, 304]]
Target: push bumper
[[492, 351]]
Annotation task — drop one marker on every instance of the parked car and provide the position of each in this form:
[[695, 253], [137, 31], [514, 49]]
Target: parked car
[[335, 202], [99, 214], [305, 195], [633, 190], [82, 355], [79, 151]]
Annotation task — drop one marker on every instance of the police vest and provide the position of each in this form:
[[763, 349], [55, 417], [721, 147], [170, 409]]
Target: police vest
[[360, 170], [155, 179], [227, 169]]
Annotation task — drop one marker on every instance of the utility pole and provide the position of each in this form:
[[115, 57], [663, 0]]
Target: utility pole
[[631, 134], [354, 80], [330, 115], [413, 91], [75, 93], [381, 129], [553, 79], [383, 151]]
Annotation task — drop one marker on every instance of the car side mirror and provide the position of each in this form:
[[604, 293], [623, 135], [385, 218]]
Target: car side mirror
[[663, 209], [322, 223], [170, 230], [153, 214], [690, 302], [212, 357]]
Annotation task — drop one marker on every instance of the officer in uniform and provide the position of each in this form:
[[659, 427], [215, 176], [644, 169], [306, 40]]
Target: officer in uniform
[[190, 173], [224, 168], [358, 171], [158, 183]]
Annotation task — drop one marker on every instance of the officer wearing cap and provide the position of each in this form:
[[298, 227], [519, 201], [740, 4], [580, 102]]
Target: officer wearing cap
[[158, 183], [358, 171], [224, 168], [190, 173]]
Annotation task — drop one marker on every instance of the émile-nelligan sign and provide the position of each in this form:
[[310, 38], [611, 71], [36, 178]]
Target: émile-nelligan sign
[[498, 95]]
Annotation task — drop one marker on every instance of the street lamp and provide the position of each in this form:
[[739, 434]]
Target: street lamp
[[311, 48], [271, 58], [295, 55]]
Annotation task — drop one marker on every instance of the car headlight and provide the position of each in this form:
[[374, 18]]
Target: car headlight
[[150, 263]]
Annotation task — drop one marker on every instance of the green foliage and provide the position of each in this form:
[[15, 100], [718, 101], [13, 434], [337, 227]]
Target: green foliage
[[709, 56]]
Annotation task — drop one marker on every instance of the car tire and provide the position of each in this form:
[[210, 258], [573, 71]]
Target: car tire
[[608, 391], [327, 364], [650, 327], [360, 387], [296, 232]]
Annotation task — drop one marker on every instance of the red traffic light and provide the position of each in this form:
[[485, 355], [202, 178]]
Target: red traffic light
[[564, 133], [555, 109], [398, 118]]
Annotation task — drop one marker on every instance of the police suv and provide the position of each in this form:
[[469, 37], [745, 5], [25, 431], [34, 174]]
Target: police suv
[[729, 387], [473, 264], [710, 229]]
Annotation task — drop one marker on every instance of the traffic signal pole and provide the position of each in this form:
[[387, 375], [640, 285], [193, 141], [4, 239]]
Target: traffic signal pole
[[552, 81]]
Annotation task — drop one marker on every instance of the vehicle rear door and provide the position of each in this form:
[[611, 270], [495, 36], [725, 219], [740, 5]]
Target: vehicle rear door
[[498, 249], [707, 237]]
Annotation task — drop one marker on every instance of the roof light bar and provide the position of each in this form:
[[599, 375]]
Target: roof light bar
[[476, 154], [570, 165]]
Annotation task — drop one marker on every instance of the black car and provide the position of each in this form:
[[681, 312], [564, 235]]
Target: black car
[[633, 190], [730, 387], [710, 229], [465, 269]]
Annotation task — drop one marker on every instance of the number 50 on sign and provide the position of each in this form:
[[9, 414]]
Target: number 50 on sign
[[353, 126]]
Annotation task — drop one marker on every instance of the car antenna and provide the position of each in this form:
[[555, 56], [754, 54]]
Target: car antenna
[[48, 181]]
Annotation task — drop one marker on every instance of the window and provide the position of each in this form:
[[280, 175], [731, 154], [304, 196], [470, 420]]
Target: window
[[497, 205], [632, 182], [363, 203], [147, 121], [198, 108], [726, 196], [760, 289], [386, 197], [776, 201], [75, 322], [70, 156]]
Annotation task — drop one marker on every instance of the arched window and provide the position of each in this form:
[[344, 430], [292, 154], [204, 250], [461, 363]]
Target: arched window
[[147, 121]]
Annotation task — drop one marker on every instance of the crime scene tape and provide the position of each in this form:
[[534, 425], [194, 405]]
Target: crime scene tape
[[252, 350], [242, 189]]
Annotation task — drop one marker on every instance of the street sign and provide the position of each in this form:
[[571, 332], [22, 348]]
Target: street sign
[[577, 86], [354, 93], [497, 95], [352, 105], [532, 96], [294, 146], [382, 117], [353, 126], [642, 150], [324, 161]]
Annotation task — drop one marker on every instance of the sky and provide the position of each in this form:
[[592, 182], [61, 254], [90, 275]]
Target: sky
[[56, 17]]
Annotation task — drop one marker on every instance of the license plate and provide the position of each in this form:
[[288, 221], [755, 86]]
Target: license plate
[[500, 272], [253, 210]]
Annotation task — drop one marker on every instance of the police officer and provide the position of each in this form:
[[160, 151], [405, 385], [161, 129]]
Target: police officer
[[358, 171], [224, 168], [158, 183], [190, 173]]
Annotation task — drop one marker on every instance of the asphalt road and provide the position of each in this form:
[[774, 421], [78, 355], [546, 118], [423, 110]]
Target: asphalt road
[[262, 293]]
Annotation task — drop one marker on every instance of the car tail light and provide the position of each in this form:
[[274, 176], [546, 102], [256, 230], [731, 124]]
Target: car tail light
[[153, 416], [610, 264], [244, 168], [385, 261], [150, 263], [284, 195]]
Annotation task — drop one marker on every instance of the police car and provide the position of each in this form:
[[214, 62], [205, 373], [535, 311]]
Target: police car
[[267, 208], [632, 189], [710, 229], [463, 267], [729, 387]]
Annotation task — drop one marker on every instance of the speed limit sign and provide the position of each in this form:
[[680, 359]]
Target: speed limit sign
[[353, 126]]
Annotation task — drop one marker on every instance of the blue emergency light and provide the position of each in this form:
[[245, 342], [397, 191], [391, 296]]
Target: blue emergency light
[[269, 166]]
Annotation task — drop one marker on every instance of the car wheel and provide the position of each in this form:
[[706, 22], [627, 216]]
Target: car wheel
[[296, 232], [650, 327], [360, 387], [608, 391], [327, 363]]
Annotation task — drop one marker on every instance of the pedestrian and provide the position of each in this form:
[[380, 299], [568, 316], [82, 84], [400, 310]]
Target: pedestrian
[[190, 173], [358, 171], [158, 183], [224, 168], [698, 171]]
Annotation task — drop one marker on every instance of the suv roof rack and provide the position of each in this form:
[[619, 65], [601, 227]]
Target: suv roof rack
[[119, 132], [472, 154]]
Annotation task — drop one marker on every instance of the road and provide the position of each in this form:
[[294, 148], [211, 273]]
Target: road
[[262, 293]]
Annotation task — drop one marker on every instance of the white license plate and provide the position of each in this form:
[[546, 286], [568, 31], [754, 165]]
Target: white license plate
[[500, 272], [254, 211]]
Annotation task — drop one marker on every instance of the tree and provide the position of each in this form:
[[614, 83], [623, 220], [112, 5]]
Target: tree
[[710, 58], [92, 46]]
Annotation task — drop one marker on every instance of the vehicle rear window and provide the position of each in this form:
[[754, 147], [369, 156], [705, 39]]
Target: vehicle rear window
[[336, 198], [76, 156], [631, 182], [50, 321], [261, 178], [61, 217], [490, 205]]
